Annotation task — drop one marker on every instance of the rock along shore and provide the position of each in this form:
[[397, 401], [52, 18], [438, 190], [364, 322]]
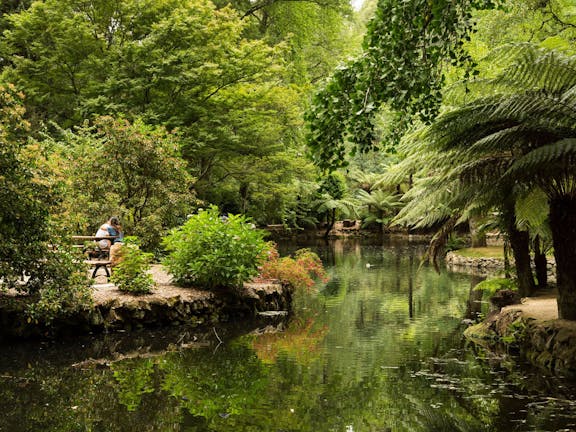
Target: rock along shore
[[486, 266], [167, 305], [530, 329], [550, 345]]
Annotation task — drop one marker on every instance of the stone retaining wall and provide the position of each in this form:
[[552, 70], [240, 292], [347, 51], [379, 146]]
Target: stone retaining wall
[[550, 345], [126, 312], [484, 266]]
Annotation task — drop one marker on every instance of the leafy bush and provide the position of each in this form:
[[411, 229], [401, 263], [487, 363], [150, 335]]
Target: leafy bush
[[455, 243], [492, 286], [209, 251], [59, 285], [130, 274], [301, 272]]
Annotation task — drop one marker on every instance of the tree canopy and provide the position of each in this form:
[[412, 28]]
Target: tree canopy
[[406, 51]]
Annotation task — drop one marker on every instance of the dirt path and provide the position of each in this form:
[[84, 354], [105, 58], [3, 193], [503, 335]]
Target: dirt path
[[542, 307], [104, 291]]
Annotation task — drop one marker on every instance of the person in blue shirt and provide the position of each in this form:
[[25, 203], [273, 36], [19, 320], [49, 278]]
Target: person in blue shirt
[[112, 228]]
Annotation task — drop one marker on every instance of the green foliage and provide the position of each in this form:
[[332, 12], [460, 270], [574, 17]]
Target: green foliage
[[314, 31], [407, 45], [331, 199], [130, 273], [515, 333], [60, 286], [210, 251], [381, 206], [190, 67], [23, 213], [300, 272], [118, 167], [228, 385], [334, 184], [134, 379], [31, 246], [455, 242], [492, 286]]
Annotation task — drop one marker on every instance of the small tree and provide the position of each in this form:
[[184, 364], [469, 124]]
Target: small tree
[[120, 167], [332, 200]]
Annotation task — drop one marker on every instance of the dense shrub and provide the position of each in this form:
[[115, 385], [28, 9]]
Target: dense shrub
[[300, 271], [130, 273], [141, 177], [209, 251], [58, 284], [33, 259]]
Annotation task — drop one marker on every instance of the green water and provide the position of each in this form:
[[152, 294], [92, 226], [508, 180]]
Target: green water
[[377, 348]]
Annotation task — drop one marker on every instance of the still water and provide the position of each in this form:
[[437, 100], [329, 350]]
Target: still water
[[377, 348]]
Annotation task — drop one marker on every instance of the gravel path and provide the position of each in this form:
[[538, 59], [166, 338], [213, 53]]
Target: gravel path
[[104, 291], [542, 307]]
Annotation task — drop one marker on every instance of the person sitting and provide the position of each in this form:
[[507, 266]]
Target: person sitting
[[110, 228]]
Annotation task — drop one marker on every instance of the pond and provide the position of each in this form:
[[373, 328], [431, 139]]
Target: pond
[[377, 348]]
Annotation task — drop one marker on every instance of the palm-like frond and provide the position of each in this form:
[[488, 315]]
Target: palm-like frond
[[427, 206], [532, 212], [558, 154], [347, 207], [541, 69]]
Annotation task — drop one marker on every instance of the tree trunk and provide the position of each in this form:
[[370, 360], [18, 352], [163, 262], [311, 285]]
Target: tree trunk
[[520, 245], [563, 226], [331, 223], [540, 265], [506, 258]]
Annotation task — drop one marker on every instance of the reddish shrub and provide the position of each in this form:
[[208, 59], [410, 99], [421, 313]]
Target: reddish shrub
[[301, 271]]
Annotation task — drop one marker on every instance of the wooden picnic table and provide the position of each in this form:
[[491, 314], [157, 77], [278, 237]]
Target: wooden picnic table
[[101, 256], [88, 238]]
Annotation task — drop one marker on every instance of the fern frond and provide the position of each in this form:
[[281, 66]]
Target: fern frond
[[569, 97], [428, 204], [531, 210], [542, 69], [562, 152], [499, 141]]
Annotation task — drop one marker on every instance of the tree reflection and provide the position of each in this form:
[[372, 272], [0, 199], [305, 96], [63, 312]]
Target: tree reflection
[[380, 349]]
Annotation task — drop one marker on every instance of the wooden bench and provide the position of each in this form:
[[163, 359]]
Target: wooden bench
[[97, 256]]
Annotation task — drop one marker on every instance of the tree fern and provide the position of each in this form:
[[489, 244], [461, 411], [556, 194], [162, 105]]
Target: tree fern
[[519, 139], [556, 154]]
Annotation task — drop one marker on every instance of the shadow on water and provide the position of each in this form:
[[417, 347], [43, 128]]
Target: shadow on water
[[377, 348]]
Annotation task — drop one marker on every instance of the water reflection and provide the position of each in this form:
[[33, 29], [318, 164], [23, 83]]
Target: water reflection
[[378, 348]]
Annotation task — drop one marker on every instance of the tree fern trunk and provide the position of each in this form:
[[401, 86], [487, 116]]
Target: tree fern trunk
[[331, 223], [563, 226], [520, 245], [540, 264]]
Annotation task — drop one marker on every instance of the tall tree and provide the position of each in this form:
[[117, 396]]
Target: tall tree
[[185, 65]]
